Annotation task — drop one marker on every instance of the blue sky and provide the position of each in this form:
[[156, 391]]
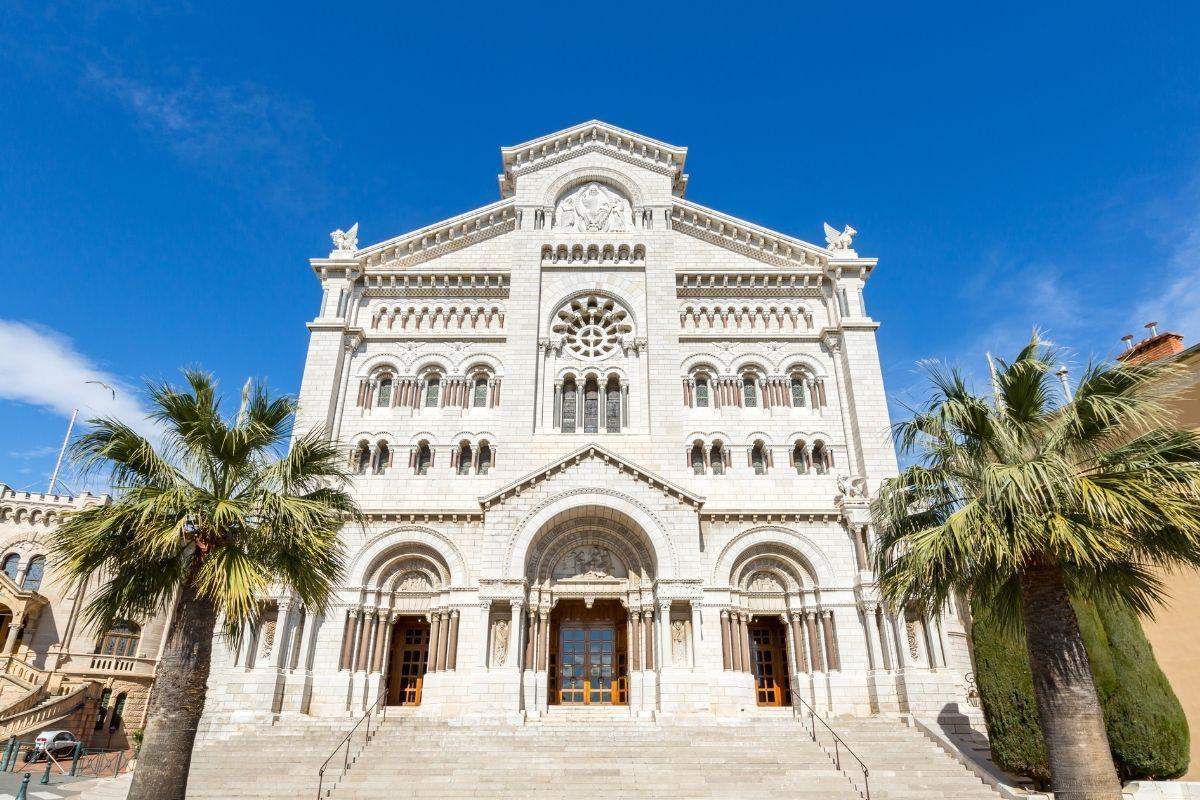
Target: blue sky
[[166, 172]]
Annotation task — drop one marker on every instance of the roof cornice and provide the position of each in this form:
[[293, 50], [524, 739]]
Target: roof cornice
[[653, 479], [592, 136], [746, 238]]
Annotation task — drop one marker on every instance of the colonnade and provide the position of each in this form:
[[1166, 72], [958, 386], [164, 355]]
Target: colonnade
[[811, 636]]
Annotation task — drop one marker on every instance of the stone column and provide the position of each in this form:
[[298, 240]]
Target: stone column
[[878, 619], [530, 639], [726, 650], [735, 639], [307, 639], [359, 616], [697, 627], [283, 615], [860, 547], [543, 657], [831, 650], [14, 630], [630, 644], [485, 631], [347, 641], [383, 641], [648, 639], [798, 638], [635, 641], [514, 633], [452, 650], [872, 637], [747, 661], [435, 640], [665, 657], [364, 640], [814, 646], [443, 641]]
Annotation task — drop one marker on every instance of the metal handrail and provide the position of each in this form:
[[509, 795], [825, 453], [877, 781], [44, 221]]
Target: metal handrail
[[378, 705], [838, 744]]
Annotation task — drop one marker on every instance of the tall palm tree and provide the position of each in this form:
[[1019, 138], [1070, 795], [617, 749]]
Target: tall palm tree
[[1026, 500], [205, 521]]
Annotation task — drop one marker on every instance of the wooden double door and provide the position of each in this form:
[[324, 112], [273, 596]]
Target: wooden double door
[[589, 663], [409, 661], [769, 663]]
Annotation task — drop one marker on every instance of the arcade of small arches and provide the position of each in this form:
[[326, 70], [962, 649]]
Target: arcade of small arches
[[712, 456], [469, 456], [752, 387], [590, 401], [425, 319], [36, 516], [592, 624], [431, 387], [745, 318]]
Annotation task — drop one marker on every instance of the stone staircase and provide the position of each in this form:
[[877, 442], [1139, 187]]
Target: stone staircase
[[573, 754]]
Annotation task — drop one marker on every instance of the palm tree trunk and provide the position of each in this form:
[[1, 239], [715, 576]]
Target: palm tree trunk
[[1081, 765], [177, 701]]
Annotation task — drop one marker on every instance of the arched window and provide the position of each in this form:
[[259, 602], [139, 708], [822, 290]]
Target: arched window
[[800, 458], [362, 458], [118, 713], [485, 458], [102, 709], [424, 459], [702, 392], [121, 640], [797, 391], [480, 398], [464, 459], [33, 575], [591, 406], [612, 405], [820, 458], [12, 563], [716, 459], [433, 387], [385, 392], [697, 459], [758, 458], [383, 458], [569, 399], [749, 391]]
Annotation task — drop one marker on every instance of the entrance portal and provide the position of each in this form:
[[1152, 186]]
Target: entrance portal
[[769, 662], [589, 661], [408, 661]]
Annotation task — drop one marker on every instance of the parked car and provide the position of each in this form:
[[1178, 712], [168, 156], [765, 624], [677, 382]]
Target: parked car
[[59, 744]]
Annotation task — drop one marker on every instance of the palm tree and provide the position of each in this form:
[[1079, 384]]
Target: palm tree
[[1025, 501], [205, 521]]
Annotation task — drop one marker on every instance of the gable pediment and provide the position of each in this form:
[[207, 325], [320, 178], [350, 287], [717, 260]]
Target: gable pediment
[[618, 464], [593, 137]]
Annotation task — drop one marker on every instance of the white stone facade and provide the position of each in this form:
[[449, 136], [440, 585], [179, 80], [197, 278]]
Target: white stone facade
[[595, 399]]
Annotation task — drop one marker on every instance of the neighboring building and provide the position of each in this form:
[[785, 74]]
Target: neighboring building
[[1174, 632], [614, 448], [56, 670]]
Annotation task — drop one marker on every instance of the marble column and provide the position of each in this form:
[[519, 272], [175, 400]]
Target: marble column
[[443, 641], [452, 651], [485, 631], [798, 637], [543, 655], [359, 618], [635, 639], [831, 651], [747, 661], [878, 617], [435, 639], [383, 641], [665, 657], [514, 633], [726, 650], [528, 662], [697, 627], [283, 616], [648, 639], [814, 647], [347, 641]]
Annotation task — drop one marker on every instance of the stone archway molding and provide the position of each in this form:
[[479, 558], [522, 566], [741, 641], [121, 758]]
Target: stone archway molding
[[377, 550], [812, 555]]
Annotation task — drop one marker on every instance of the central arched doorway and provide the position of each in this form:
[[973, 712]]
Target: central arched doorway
[[589, 654], [594, 621]]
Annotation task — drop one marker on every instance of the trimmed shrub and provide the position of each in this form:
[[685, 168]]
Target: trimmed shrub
[[1146, 727]]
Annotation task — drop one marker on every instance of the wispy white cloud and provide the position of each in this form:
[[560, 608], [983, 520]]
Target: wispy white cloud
[[1174, 300], [41, 367], [32, 453], [236, 132]]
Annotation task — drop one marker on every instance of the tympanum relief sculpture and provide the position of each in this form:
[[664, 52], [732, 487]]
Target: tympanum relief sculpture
[[590, 561], [593, 208]]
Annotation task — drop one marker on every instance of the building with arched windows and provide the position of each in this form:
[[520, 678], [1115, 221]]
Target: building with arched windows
[[56, 668], [614, 448]]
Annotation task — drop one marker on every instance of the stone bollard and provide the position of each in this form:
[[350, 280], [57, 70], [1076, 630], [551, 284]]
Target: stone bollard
[[46, 775]]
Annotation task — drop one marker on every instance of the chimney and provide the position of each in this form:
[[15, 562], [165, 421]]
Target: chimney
[[1154, 347]]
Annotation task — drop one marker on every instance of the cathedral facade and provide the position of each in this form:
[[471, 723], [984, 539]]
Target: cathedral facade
[[614, 448]]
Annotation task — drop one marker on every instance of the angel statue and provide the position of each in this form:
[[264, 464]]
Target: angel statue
[[839, 241], [345, 241]]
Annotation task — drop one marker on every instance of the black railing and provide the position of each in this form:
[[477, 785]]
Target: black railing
[[344, 747], [839, 745]]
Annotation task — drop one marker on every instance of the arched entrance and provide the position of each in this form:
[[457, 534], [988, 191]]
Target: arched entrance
[[593, 621], [408, 661]]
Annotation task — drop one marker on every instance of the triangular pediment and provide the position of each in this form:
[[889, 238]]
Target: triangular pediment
[[590, 137], [575, 457]]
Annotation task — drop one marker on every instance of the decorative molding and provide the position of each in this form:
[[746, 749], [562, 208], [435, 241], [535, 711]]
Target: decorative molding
[[482, 285], [749, 284], [745, 237], [616, 254]]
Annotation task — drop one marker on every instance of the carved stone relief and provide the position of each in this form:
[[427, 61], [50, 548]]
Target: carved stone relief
[[679, 643], [499, 642], [590, 561], [593, 208]]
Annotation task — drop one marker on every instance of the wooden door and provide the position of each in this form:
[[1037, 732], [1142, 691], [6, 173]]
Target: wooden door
[[411, 662], [768, 657], [588, 665]]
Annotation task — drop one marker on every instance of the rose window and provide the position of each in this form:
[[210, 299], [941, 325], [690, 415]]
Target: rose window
[[591, 327]]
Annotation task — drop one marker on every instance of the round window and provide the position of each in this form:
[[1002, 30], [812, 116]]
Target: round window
[[592, 326]]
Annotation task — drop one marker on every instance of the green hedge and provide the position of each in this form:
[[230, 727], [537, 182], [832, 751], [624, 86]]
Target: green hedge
[[1147, 730]]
